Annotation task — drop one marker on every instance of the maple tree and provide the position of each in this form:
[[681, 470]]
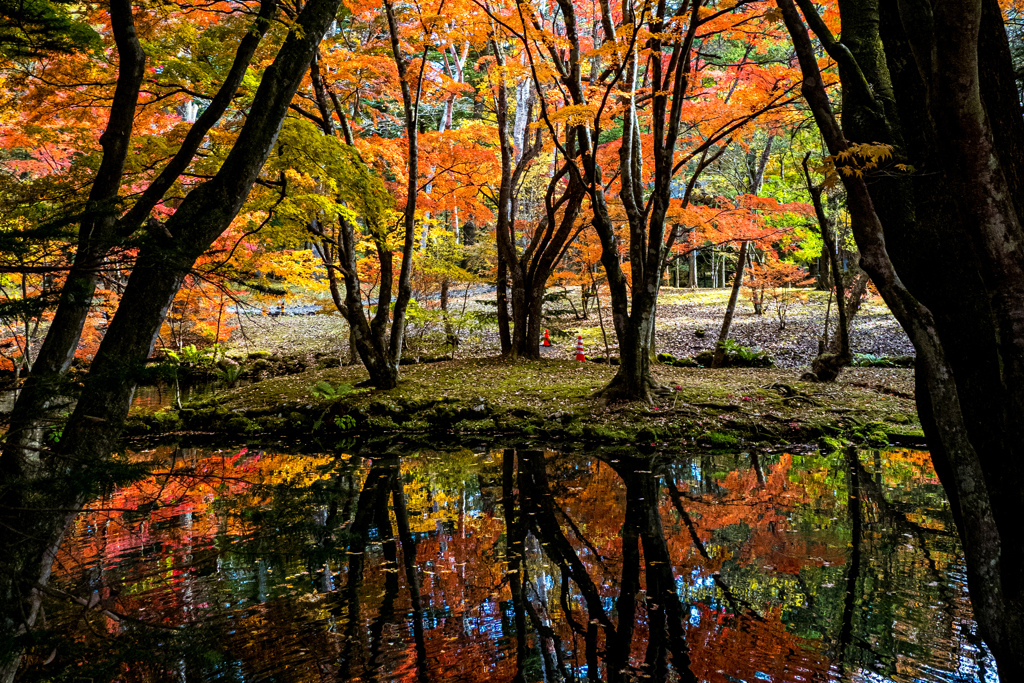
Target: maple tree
[[645, 78], [163, 259], [585, 144]]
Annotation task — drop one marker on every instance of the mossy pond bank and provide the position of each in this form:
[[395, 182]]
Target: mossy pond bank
[[383, 560], [552, 399]]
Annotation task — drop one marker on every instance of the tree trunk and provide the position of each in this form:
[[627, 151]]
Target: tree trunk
[[30, 536], [100, 229], [31, 414], [719, 357], [411, 109], [827, 365], [939, 88], [504, 327], [853, 301], [530, 268]]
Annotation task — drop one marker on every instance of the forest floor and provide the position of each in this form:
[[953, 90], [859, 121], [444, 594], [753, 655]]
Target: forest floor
[[553, 400], [688, 322], [479, 395]]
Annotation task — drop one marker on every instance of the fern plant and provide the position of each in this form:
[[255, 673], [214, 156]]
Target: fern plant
[[325, 391]]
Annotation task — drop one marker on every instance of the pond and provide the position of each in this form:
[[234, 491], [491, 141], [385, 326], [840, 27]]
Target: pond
[[494, 564]]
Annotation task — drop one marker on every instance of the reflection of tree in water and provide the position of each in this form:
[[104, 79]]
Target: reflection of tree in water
[[538, 512], [519, 566]]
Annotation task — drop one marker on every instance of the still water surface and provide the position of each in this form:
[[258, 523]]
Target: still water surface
[[504, 565]]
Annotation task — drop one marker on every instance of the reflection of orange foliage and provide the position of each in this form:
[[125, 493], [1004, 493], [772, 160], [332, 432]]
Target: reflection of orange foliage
[[727, 648], [202, 545], [765, 509]]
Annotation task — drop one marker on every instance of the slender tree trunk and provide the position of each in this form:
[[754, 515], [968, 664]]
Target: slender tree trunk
[[719, 357], [504, 328], [827, 365], [853, 301], [411, 107]]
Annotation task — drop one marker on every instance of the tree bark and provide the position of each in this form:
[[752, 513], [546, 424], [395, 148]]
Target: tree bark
[[101, 230], [828, 364], [80, 462], [22, 448], [504, 320], [933, 89], [411, 109], [529, 268], [719, 357]]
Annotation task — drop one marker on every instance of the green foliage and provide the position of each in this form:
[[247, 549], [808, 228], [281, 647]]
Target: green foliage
[[30, 29], [738, 356], [193, 356], [231, 374], [326, 180], [325, 391], [870, 360]]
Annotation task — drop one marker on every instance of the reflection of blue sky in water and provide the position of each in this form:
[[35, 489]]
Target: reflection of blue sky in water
[[281, 567]]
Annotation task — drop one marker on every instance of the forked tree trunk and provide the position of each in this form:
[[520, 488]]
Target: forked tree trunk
[[101, 230], [30, 536], [379, 348], [31, 414], [529, 268]]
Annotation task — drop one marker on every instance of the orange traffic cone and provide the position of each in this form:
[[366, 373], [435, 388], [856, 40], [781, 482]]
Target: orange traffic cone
[[579, 348], [545, 341]]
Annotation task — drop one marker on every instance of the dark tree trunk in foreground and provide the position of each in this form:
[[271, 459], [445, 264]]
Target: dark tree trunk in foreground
[[22, 448], [101, 229], [938, 85], [80, 465]]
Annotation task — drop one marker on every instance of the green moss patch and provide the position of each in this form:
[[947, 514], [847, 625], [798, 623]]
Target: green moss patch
[[554, 399]]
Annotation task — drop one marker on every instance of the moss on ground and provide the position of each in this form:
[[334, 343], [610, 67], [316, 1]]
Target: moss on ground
[[553, 399]]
